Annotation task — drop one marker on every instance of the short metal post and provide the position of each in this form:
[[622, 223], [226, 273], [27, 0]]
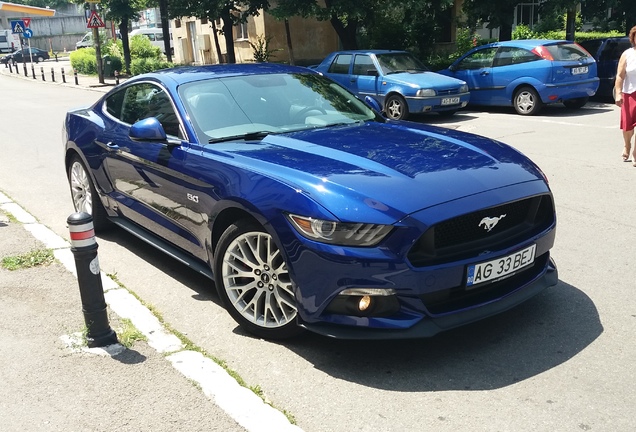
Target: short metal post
[[116, 77], [63, 76], [52, 75], [26, 73], [33, 70], [75, 74], [42, 72], [84, 248], [8, 64]]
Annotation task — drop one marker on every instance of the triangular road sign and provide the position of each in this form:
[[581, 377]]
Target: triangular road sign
[[94, 21]]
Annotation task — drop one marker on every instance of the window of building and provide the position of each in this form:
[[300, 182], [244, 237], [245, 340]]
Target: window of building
[[241, 31]]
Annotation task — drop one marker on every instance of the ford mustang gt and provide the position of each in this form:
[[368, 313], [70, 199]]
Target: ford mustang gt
[[307, 208]]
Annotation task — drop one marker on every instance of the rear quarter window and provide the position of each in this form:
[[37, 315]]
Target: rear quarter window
[[340, 64], [566, 52]]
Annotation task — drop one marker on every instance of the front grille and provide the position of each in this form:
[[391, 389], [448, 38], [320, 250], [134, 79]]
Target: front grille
[[466, 236], [447, 92], [458, 298]]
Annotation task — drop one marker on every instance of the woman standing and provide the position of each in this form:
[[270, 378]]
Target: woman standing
[[625, 91]]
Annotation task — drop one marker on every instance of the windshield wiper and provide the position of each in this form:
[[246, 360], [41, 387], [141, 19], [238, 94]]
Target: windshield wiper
[[246, 136]]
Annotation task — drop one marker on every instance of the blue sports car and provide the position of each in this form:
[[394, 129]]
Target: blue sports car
[[527, 74], [307, 208], [396, 80]]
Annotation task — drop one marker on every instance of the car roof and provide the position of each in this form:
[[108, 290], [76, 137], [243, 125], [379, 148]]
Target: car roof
[[528, 43], [184, 74]]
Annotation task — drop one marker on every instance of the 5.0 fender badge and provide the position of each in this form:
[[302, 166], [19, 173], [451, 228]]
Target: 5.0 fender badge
[[490, 222]]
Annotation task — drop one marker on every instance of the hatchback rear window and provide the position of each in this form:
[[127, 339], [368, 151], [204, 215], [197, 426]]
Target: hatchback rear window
[[566, 51]]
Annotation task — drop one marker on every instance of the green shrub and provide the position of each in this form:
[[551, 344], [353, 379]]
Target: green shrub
[[143, 65], [141, 47], [84, 61], [261, 50], [522, 31]]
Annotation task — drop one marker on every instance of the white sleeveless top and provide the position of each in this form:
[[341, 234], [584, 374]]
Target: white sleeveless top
[[629, 84]]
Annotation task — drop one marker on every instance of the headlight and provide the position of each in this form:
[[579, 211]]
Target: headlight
[[425, 93], [340, 233], [463, 89]]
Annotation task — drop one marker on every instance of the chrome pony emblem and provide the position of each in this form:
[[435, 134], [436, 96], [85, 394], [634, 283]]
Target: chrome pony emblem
[[490, 222]]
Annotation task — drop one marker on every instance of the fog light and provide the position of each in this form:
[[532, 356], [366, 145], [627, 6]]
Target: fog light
[[364, 303]]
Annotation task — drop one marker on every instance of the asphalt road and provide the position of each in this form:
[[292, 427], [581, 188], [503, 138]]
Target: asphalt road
[[564, 361]]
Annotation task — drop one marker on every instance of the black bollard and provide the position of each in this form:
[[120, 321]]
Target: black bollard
[[63, 76], [75, 74], [26, 73], [84, 248], [9, 66], [42, 72], [33, 70], [52, 75]]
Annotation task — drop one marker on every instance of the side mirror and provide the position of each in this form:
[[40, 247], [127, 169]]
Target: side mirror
[[452, 68], [373, 104], [148, 129], [373, 72]]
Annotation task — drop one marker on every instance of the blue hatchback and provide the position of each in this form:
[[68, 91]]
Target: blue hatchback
[[527, 74], [397, 81]]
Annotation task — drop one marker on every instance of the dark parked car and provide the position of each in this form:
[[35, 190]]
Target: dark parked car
[[36, 54], [607, 52], [309, 209], [527, 74], [397, 81]]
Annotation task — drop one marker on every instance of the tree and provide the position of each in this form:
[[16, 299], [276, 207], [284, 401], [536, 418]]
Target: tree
[[622, 12], [122, 11], [231, 12], [498, 13], [346, 16]]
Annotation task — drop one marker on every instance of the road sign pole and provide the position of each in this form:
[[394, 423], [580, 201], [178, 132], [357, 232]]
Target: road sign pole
[[98, 48]]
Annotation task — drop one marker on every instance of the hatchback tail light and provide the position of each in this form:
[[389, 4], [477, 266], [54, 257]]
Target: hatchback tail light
[[543, 52]]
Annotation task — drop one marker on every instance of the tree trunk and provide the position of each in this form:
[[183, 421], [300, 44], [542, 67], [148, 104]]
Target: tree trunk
[[215, 32], [165, 27], [228, 33], [292, 61], [125, 42], [570, 22], [346, 34]]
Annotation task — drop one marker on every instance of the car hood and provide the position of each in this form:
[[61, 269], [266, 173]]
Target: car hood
[[392, 168], [423, 79]]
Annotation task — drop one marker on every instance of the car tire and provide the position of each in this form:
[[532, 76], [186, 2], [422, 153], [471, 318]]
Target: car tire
[[252, 280], [526, 101], [396, 108], [576, 103], [40, 59], [84, 195]]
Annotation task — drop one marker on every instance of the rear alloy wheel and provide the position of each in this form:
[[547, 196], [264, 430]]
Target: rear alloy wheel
[[85, 198], [40, 59], [396, 108], [576, 103], [252, 279], [527, 101]]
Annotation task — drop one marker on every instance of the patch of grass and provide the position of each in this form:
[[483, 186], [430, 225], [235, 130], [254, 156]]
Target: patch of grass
[[39, 257], [128, 334]]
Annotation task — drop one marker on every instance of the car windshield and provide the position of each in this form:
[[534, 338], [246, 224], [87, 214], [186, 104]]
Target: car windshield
[[252, 106], [399, 62]]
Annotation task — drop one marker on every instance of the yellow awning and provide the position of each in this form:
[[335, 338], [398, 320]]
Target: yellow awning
[[29, 10]]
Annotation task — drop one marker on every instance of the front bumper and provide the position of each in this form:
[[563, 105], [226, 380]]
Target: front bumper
[[430, 326]]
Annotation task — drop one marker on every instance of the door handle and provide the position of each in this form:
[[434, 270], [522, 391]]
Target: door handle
[[485, 72]]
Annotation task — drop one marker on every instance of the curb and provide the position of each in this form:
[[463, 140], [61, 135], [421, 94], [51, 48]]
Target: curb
[[238, 402]]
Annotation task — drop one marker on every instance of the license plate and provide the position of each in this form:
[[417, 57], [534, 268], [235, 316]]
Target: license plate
[[500, 267], [579, 70], [450, 101]]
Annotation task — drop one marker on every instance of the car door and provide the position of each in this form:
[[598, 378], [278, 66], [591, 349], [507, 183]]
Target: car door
[[510, 64], [476, 70], [364, 77], [147, 177], [339, 70]]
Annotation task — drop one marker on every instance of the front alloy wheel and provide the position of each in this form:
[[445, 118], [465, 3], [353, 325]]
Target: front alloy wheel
[[252, 279], [85, 198], [396, 107]]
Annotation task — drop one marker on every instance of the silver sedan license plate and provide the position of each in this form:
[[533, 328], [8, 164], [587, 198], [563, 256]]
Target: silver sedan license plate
[[450, 101], [500, 267]]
